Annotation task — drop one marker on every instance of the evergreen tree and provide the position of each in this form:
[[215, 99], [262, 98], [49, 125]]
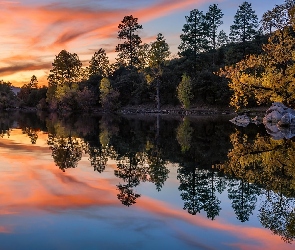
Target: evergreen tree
[[159, 52], [222, 39], [213, 19], [128, 51], [193, 39], [7, 97], [245, 24], [99, 64], [33, 82]]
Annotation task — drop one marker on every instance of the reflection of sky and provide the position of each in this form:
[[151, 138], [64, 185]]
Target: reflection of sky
[[44, 208], [36, 31]]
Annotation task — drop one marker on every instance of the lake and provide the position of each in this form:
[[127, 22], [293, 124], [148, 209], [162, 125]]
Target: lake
[[143, 182]]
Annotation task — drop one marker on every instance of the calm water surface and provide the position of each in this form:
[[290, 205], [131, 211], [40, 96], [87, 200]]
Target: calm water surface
[[143, 182]]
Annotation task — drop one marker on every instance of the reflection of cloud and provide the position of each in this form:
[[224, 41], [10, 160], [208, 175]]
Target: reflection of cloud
[[191, 240], [261, 237], [5, 230]]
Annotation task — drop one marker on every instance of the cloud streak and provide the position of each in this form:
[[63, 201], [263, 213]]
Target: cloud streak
[[5, 71], [45, 29]]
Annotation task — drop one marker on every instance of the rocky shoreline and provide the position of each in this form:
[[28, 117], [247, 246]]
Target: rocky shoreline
[[176, 111]]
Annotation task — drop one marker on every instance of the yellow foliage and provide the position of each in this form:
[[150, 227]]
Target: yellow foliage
[[267, 77]]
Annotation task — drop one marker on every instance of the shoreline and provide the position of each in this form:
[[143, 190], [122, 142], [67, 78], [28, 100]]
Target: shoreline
[[143, 110]]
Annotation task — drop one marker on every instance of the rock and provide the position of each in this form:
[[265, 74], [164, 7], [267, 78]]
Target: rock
[[273, 117], [244, 120], [274, 131], [255, 120], [287, 120], [276, 112], [279, 121], [241, 120]]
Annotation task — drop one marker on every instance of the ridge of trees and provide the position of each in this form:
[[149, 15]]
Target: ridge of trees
[[254, 70]]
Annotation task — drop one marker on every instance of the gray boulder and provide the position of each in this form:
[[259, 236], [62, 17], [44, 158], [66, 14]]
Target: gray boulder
[[278, 112], [279, 121], [244, 120], [241, 120]]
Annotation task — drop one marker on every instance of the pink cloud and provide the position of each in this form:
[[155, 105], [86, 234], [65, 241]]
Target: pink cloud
[[39, 30]]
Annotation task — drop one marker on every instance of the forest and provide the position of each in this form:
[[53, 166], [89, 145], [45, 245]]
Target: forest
[[252, 65]]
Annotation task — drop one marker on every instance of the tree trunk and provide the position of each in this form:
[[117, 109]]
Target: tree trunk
[[158, 93]]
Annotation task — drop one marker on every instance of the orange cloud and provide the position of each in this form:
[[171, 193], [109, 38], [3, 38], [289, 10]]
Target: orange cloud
[[4, 71], [34, 34]]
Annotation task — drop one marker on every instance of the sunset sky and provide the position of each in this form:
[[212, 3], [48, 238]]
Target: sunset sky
[[34, 32]]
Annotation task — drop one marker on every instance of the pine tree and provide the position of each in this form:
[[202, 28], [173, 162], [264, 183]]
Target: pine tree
[[159, 52], [128, 51], [193, 38], [99, 64], [222, 39], [33, 82], [213, 19], [245, 24]]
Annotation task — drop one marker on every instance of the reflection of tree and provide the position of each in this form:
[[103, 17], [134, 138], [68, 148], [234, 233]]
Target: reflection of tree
[[131, 169], [98, 156], [32, 133], [66, 151], [6, 123], [215, 183], [244, 197], [263, 161], [4, 132], [157, 170], [277, 213], [184, 135], [198, 191], [126, 195]]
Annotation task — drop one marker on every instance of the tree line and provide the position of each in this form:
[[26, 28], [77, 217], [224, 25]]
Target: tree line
[[147, 73]]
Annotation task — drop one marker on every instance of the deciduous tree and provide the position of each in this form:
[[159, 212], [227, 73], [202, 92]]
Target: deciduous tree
[[184, 91], [64, 76], [108, 96]]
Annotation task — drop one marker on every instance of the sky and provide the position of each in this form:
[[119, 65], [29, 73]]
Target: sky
[[33, 32]]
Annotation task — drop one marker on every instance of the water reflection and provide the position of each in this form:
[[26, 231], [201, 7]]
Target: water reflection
[[66, 151], [198, 189], [212, 158], [277, 214]]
